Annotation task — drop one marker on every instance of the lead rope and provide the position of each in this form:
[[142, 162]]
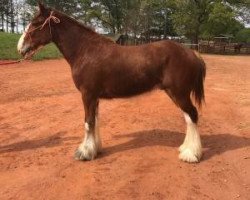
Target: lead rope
[[11, 62]]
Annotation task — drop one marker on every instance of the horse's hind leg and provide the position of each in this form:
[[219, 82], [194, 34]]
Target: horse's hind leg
[[191, 149], [97, 132]]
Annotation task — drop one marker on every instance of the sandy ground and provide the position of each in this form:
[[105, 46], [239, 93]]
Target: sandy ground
[[41, 125]]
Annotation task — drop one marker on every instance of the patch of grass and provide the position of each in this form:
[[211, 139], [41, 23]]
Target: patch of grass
[[8, 43], [8, 49]]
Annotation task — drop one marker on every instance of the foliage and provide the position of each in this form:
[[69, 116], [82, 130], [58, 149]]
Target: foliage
[[206, 18], [190, 16], [71, 7], [8, 46], [134, 16], [221, 20], [143, 18], [243, 35], [156, 17]]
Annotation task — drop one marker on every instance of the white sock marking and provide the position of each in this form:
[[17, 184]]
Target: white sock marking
[[187, 118], [88, 147], [86, 127], [190, 150], [91, 144]]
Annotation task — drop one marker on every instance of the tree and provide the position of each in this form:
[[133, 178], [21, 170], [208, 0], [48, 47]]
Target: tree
[[157, 18], [134, 17], [190, 16], [243, 35], [206, 18], [221, 20], [111, 13], [12, 16], [72, 7], [3, 9], [159, 13]]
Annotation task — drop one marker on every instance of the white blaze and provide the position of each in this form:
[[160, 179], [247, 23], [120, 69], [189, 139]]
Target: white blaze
[[21, 40]]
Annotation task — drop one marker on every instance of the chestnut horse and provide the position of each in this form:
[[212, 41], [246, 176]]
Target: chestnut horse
[[103, 69]]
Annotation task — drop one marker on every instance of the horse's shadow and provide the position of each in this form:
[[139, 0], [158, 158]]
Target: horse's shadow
[[212, 144], [57, 139]]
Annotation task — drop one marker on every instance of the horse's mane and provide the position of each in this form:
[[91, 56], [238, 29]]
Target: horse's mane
[[86, 28]]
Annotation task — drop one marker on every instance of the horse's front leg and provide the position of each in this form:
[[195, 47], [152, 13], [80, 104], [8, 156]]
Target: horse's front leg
[[91, 144]]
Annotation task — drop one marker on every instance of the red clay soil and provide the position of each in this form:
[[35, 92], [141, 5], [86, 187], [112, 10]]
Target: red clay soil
[[41, 125]]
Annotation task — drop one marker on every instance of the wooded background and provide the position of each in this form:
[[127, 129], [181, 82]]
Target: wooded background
[[194, 19]]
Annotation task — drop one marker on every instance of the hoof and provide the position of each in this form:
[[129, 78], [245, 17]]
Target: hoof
[[84, 153], [190, 155]]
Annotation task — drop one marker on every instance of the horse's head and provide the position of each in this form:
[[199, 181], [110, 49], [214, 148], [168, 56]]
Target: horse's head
[[37, 33]]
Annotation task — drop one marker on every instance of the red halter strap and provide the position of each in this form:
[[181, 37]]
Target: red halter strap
[[47, 21]]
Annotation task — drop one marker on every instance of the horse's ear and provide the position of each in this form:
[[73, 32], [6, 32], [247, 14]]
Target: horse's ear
[[42, 8]]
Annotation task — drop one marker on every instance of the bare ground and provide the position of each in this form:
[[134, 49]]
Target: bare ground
[[41, 125]]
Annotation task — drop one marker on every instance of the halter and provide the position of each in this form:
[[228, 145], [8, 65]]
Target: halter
[[47, 21]]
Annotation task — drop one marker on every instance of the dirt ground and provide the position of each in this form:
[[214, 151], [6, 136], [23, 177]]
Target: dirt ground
[[41, 125]]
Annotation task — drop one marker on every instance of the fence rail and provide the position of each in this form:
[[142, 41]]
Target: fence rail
[[233, 48], [212, 47]]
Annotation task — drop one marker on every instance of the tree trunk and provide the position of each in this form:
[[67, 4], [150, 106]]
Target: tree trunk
[[23, 23], [17, 23], [165, 25], [2, 21], [7, 24], [12, 20]]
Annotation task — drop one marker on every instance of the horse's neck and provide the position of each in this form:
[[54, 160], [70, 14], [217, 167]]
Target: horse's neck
[[69, 39]]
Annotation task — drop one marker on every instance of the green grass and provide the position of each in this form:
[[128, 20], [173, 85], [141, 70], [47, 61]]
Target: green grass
[[8, 49]]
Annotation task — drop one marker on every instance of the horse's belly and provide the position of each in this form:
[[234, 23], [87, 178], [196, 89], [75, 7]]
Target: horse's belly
[[128, 88]]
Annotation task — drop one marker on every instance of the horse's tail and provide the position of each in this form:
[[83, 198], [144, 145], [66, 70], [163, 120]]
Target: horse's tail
[[198, 87]]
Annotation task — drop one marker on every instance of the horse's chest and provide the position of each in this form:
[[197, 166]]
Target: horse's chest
[[86, 77]]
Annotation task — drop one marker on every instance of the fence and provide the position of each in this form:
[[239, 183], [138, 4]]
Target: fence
[[212, 47], [224, 48]]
